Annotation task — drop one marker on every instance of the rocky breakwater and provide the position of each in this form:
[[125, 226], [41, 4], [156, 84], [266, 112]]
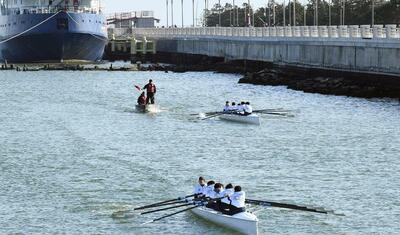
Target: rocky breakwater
[[328, 82]]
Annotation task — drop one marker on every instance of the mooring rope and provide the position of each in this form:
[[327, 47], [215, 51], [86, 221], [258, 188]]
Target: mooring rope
[[31, 28], [93, 35]]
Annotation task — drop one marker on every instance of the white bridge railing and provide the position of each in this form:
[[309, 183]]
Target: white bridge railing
[[350, 32]]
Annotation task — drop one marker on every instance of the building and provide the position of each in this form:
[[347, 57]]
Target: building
[[136, 19]]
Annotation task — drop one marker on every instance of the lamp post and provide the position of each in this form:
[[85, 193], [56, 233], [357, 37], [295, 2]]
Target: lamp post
[[373, 13], [316, 13], [284, 13], [274, 12], [182, 11], [343, 12], [193, 13], [269, 14], [294, 13], [249, 14], [167, 15], [172, 13], [330, 12], [290, 12], [219, 13]]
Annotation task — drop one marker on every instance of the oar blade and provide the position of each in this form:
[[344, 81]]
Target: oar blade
[[288, 206]]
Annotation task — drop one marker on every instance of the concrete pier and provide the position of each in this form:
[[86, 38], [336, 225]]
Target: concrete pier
[[354, 48]]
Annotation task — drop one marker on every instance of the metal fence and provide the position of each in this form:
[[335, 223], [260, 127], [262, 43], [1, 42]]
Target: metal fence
[[345, 32]]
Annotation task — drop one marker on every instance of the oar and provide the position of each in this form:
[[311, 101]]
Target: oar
[[166, 204], [211, 116], [166, 216], [288, 206], [158, 203], [200, 203], [167, 208], [270, 110], [279, 114]]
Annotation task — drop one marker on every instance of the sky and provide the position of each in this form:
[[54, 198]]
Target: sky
[[159, 7]]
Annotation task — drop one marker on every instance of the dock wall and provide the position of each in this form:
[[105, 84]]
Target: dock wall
[[382, 56]]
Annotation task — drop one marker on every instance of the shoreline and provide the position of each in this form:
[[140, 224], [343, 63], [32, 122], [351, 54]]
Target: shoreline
[[309, 80]]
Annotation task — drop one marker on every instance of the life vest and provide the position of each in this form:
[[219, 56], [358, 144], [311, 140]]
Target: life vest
[[142, 100], [151, 88]]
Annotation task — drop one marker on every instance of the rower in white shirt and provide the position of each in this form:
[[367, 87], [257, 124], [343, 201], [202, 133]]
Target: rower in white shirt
[[240, 108], [210, 188], [227, 107], [233, 107], [247, 109], [237, 199], [200, 188], [217, 193], [225, 202]]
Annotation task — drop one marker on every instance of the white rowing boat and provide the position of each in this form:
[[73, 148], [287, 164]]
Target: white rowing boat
[[250, 119], [149, 108], [245, 222]]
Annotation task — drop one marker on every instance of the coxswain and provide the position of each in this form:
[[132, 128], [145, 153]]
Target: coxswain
[[247, 109], [227, 107], [225, 202], [237, 199], [151, 91], [200, 188], [142, 99], [216, 195]]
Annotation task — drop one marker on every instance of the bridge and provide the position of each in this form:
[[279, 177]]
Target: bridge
[[348, 48]]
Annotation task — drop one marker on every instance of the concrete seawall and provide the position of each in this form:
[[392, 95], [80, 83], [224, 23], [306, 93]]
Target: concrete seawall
[[358, 55]]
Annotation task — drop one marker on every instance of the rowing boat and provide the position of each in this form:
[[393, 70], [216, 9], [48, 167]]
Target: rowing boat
[[250, 119], [149, 108], [245, 222]]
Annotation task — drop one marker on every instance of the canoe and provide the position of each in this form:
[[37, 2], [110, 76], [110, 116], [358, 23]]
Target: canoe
[[250, 119], [150, 108], [245, 222]]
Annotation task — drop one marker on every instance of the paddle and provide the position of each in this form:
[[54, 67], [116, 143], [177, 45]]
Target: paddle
[[138, 88], [288, 206], [166, 216], [163, 202]]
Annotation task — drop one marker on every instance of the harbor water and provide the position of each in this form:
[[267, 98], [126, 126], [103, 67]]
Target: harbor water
[[75, 157]]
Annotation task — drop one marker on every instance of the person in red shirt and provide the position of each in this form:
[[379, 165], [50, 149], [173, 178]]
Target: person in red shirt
[[151, 91], [142, 99]]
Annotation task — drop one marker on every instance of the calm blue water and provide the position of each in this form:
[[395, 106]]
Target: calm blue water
[[73, 152]]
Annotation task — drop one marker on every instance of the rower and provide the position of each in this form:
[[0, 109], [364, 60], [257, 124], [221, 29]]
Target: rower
[[227, 107], [238, 199], [151, 91], [225, 202], [240, 108], [217, 193], [200, 188], [209, 188], [233, 107], [247, 109], [142, 99]]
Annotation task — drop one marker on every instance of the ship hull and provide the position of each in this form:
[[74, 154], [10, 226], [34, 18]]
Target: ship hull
[[83, 38]]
